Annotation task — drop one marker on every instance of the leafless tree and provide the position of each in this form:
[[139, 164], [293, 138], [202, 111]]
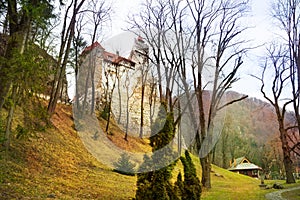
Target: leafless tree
[[152, 25], [286, 13], [67, 35], [184, 46], [130, 88], [218, 45], [93, 15], [100, 15], [79, 44], [111, 73], [278, 63]]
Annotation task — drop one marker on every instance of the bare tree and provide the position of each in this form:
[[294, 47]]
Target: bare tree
[[186, 38], [152, 25], [79, 44], [67, 35], [111, 79], [217, 26], [280, 68], [286, 13], [100, 14], [130, 88]]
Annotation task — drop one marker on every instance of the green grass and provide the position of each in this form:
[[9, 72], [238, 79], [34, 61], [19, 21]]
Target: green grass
[[56, 162], [292, 195]]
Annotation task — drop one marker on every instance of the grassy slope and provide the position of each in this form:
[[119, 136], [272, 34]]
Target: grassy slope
[[56, 162]]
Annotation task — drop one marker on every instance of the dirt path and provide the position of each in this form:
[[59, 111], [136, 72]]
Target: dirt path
[[277, 195]]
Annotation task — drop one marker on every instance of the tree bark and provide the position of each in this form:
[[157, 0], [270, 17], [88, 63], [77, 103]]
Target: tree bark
[[287, 161], [10, 118], [206, 169], [142, 111]]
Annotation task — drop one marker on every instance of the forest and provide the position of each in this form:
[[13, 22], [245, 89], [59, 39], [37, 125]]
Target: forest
[[162, 118]]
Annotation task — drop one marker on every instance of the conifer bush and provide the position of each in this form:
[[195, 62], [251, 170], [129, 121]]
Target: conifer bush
[[155, 184], [191, 184], [124, 166]]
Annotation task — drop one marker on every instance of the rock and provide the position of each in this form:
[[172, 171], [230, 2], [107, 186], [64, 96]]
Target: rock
[[263, 186], [219, 175], [277, 186], [52, 196]]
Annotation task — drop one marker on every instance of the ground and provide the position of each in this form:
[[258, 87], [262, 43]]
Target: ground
[[55, 163]]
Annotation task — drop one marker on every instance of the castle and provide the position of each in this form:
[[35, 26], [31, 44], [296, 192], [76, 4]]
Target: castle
[[119, 82]]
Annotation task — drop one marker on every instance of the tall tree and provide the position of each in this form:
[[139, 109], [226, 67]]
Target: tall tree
[[100, 14], [279, 65], [286, 15], [186, 38], [23, 67], [23, 19], [217, 26], [155, 23], [67, 35]]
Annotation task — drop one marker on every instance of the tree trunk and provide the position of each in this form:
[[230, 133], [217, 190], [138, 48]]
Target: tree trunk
[[224, 149], [62, 66], [142, 112], [206, 168], [287, 161], [120, 102], [13, 43], [10, 118], [127, 116], [93, 68], [108, 118], [288, 165]]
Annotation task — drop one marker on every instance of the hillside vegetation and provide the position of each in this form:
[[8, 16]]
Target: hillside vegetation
[[55, 164]]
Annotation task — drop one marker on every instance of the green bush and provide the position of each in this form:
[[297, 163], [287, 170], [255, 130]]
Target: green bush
[[156, 184], [105, 112], [124, 166], [191, 185]]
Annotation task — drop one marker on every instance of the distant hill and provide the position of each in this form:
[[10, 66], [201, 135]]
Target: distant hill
[[255, 118], [251, 117]]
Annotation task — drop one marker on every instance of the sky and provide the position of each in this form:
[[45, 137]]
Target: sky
[[260, 33]]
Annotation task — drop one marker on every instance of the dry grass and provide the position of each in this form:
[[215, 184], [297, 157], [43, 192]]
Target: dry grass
[[56, 162], [116, 135]]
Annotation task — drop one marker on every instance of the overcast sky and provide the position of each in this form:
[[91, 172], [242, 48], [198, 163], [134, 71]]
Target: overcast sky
[[260, 33]]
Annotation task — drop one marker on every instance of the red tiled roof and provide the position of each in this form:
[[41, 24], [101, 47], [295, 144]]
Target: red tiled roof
[[139, 38], [108, 56], [115, 59], [95, 44]]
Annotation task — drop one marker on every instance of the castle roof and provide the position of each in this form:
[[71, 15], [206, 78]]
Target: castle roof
[[94, 45], [110, 57]]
